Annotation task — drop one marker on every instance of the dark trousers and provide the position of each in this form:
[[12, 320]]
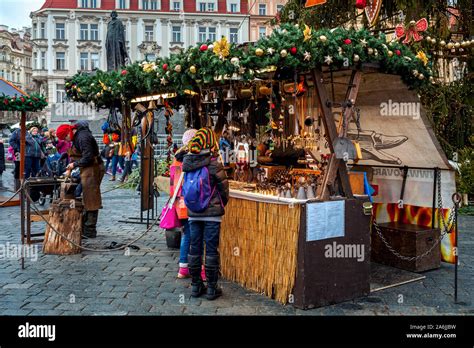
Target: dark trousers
[[207, 231], [89, 228], [116, 159], [32, 166], [128, 169]]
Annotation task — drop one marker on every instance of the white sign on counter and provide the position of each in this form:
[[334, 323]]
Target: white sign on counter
[[324, 220]]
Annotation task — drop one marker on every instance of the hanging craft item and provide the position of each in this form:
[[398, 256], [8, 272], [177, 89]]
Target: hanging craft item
[[372, 11], [311, 3], [413, 31]]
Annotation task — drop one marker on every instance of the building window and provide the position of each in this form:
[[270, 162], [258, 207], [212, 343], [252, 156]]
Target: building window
[[94, 32], [94, 61], [262, 9], [176, 34], [60, 94], [154, 4], [43, 30], [145, 4], [202, 34], [43, 61], [262, 32], [28, 62], [93, 3], [122, 4], [233, 35], [83, 32], [60, 31], [60, 61], [210, 7], [212, 34], [35, 29], [233, 8], [84, 3], [89, 3], [35, 60], [280, 7], [202, 6], [84, 57], [148, 32], [150, 57], [176, 6]]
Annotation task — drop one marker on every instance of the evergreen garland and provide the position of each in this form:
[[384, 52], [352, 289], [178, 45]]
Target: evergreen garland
[[32, 103]]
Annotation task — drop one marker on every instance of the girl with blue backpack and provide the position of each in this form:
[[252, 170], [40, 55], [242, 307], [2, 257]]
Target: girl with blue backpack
[[206, 193]]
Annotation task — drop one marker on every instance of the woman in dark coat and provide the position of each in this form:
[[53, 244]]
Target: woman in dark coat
[[2, 157]]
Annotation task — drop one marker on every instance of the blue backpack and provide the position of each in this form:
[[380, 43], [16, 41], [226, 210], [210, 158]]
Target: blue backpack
[[197, 191]]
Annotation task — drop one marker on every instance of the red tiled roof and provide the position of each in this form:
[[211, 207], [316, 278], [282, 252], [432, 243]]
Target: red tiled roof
[[189, 6]]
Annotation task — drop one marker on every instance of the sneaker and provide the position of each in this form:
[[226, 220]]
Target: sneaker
[[183, 273]]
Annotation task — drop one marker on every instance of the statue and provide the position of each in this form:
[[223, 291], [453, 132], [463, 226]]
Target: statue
[[115, 44]]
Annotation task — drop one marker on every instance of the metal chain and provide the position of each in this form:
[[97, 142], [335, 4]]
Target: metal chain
[[445, 229]]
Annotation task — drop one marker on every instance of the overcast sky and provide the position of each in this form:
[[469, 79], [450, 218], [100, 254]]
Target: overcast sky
[[16, 13]]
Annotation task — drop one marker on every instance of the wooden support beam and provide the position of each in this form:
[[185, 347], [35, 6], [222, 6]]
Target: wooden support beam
[[335, 166]]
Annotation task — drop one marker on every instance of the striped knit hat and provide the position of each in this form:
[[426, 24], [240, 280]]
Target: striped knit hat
[[204, 139]]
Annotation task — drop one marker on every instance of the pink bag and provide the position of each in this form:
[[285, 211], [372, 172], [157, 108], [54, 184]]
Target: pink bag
[[169, 217]]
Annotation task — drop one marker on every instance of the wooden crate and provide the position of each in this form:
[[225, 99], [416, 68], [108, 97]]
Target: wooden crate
[[408, 240]]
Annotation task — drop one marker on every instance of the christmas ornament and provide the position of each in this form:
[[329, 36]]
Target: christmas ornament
[[361, 4], [370, 50], [413, 31], [356, 58], [398, 52], [192, 69], [210, 47], [372, 11], [163, 81], [390, 53], [323, 38], [124, 72], [449, 45], [235, 61], [203, 47], [177, 68], [339, 51], [165, 67], [442, 43], [421, 76], [307, 33], [457, 45], [328, 60], [311, 3], [259, 52], [283, 53], [270, 51], [422, 56], [222, 48], [293, 50], [363, 42], [347, 41], [307, 56]]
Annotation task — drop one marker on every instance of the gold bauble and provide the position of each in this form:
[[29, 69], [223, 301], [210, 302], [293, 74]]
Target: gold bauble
[[323, 38], [259, 52], [356, 58], [390, 53], [192, 69]]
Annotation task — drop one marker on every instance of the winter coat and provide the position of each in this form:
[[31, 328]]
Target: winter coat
[[218, 178], [62, 146], [33, 144], [2, 157], [85, 154]]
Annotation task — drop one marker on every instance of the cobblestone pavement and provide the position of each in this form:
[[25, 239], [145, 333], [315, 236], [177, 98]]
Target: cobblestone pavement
[[144, 282]]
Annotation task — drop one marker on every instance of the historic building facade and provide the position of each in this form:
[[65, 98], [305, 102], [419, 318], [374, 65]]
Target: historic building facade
[[261, 12], [69, 35]]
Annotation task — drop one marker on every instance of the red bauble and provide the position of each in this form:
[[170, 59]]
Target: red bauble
[[397, 52], [124, 72], [272, 106], [203, 47], [5, 101], [31, 104], [347, 41], [293, 50], [165, 67], [361, 4], [22, 99]]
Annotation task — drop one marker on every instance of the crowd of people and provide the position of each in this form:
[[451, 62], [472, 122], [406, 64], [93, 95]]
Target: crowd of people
[[198, 160]]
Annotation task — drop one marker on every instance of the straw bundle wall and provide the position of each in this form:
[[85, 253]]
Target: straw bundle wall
[[258, 246]]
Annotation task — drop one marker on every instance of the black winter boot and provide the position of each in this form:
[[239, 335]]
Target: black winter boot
[[194, 264], [89, 229], [212, 275]]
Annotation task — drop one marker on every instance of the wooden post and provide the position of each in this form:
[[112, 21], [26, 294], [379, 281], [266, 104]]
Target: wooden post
[[351, 95], [331, 131], [22, 179]]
